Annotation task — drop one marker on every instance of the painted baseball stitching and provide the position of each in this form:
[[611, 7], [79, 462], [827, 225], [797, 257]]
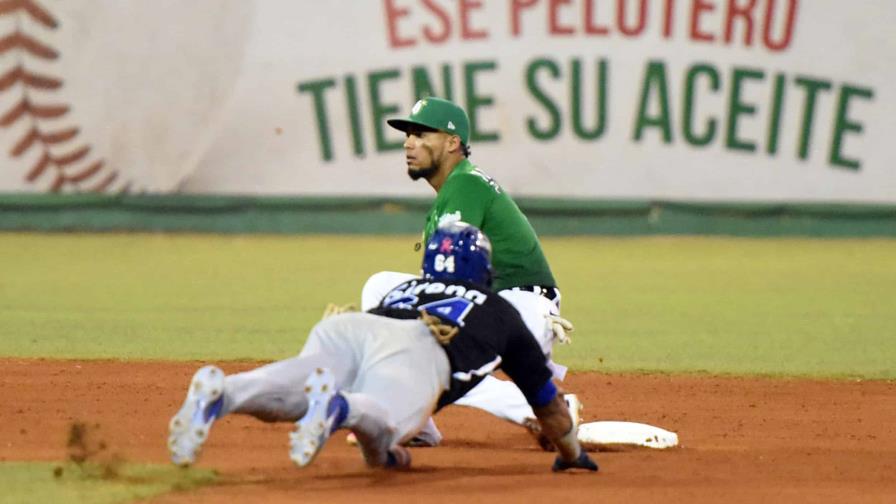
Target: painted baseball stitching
[[62, 166]]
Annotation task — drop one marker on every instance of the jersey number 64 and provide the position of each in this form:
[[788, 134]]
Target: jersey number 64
[[444, 263]]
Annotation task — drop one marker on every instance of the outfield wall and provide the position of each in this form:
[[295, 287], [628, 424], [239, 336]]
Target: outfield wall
[[728, 101]]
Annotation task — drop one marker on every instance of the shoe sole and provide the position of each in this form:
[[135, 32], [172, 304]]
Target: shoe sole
[[187, 430], [313, 429]]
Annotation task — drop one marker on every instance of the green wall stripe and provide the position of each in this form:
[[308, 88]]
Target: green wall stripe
[[550, 216]]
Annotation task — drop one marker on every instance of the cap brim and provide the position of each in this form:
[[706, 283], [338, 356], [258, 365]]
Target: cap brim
[[405, 125]]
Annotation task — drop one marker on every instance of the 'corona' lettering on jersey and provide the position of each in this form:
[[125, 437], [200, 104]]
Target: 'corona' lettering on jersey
[[409, 293]]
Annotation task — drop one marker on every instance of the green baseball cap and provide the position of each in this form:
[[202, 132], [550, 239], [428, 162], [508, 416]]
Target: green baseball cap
[[438, 114]]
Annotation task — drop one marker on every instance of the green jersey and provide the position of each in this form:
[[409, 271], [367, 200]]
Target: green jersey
[[470, 195]]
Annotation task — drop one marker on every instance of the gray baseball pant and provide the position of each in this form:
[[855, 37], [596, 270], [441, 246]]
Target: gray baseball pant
[[390, 371]]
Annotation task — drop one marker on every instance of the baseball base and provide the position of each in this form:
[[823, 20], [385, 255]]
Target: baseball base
[[619, 436]]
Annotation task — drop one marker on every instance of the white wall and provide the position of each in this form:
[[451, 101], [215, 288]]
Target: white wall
[[215, 96]]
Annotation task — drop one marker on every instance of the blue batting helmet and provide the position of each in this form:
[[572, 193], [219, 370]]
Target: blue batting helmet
[[458, 251]]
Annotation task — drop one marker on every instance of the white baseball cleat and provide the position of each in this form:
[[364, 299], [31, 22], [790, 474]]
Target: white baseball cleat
[[188, 429], [313, 429]]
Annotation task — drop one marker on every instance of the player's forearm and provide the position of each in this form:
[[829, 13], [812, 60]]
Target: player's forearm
[[558, 427]]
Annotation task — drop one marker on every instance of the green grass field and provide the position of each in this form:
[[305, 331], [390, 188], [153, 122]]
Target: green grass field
[[793, 307], [32, 482]]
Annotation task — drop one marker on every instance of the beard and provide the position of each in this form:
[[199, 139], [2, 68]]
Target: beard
[[420, 173], [428, 171]]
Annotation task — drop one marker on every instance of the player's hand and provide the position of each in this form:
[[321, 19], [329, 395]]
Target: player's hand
[[583, 462], [561, 328]]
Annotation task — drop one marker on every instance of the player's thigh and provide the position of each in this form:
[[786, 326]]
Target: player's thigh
[[340, 342], [378, 285], [406, 372]]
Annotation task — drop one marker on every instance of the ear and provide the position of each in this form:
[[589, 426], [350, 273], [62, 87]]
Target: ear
[[453, 143]]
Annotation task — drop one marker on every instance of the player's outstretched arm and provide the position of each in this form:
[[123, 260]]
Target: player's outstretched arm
[[558, 427]]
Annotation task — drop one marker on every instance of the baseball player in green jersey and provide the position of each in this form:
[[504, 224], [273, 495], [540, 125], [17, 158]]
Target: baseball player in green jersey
[[437, 150], [469, 194]]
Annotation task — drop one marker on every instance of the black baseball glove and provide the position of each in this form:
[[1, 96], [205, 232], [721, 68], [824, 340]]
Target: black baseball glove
[[583, 462]]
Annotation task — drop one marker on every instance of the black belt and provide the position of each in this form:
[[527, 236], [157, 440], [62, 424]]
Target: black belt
[[552, 294]]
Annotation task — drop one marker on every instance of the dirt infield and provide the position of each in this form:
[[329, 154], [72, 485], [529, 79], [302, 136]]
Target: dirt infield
[[743, 440]]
